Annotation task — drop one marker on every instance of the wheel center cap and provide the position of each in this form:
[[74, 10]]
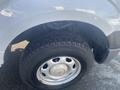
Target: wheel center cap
[[59, 70]]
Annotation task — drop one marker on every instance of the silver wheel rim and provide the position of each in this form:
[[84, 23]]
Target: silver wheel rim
[[58, 70]]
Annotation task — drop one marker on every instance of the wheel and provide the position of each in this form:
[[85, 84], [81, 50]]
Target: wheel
[[56, 57], [56, 65]]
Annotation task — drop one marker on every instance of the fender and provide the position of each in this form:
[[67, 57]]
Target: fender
[[93, 35], [24, 18], [24, 23]]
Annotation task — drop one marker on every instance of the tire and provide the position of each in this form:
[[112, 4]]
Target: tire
[[31, 62], [49, 40]]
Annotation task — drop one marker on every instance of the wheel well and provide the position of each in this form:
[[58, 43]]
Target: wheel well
[[92, 34]]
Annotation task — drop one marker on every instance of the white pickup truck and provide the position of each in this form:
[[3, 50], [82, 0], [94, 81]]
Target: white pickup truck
[[54, 43]]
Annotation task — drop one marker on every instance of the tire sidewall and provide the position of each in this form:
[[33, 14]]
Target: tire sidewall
[[30, 64]]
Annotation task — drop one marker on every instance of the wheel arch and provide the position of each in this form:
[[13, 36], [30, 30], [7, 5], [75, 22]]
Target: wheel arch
[[94, 36]]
